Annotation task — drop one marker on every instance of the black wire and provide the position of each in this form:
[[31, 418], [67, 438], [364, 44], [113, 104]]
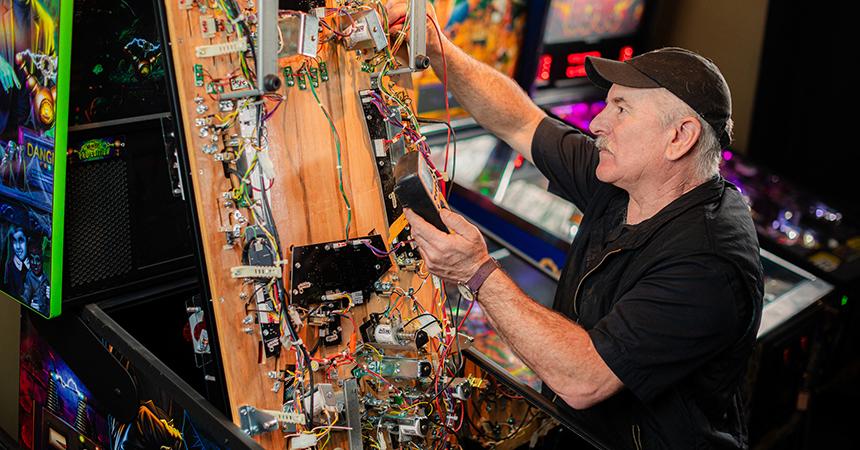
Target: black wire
[[457, 367], [247, 30], [234, 172], [316, 347], [520, 427], [422, 315], [310, 412], [457, 329], [235, 12], [472, 424], [453, 143]]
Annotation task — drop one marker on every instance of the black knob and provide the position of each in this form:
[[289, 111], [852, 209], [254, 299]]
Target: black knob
[[423, 425], [421, 338], [422, 62], [271, 83], [424, 369]]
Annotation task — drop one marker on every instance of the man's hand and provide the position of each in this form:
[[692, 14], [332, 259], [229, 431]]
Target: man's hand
[[397, 10], [453, 257]]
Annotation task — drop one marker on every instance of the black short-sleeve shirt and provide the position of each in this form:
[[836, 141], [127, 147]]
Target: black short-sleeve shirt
[[667, 308]]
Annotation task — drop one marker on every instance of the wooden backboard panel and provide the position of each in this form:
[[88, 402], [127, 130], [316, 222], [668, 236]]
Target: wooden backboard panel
[[324, 182]]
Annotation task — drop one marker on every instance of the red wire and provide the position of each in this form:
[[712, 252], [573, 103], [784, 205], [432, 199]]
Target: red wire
[[445, 84], [462, 417], [493, 379], [465, 316]]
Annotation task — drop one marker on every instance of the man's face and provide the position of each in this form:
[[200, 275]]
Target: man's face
[[19, 244], [630, 136]]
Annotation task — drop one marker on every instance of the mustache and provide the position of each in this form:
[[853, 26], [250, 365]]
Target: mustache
[[602, 143]]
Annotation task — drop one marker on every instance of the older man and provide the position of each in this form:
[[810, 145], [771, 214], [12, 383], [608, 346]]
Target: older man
[[659, 301]]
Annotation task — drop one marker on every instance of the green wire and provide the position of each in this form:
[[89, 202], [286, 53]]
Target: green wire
[[339, 165]]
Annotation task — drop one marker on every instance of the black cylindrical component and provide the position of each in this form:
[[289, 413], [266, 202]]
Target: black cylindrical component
[[424, 369], [271, 83], [422, 62], [421, 338]]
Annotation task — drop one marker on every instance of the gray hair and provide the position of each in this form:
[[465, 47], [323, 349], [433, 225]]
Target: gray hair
[[707, 149]]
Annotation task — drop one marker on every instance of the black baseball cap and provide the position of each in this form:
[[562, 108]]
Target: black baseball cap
[[692, 78]]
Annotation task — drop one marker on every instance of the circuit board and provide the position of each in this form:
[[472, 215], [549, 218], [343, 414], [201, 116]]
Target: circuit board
[[331, 333]]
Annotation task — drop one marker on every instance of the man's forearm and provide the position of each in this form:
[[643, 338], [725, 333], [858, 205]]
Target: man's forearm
[[494, 100], [559, 351]]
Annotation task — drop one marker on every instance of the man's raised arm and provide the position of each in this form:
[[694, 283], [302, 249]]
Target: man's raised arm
[[493, 99]]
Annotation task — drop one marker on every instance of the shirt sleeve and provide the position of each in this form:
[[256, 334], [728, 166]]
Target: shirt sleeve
[[671, 324], [568, 158]]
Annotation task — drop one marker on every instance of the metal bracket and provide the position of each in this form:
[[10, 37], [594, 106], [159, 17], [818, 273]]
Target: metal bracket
[[418, 60], [352, 411], [253, 421], [267, 45], [267, 53], [171, 151]]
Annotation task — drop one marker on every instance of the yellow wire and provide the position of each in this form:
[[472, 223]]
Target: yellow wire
[[374, 349], [328, 430]]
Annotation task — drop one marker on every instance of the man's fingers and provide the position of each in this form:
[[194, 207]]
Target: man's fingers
[[415, 221], [456, 223], [419, 224], [396, 12], [424, 232]]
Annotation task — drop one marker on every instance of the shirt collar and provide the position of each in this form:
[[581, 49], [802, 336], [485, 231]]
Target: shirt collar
[[629, 236]]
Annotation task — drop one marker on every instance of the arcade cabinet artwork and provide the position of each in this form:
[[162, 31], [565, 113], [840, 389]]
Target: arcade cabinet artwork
[[57, 411], [33, 122], [573, 20], [574, 29], [117, 71], [489, 30]]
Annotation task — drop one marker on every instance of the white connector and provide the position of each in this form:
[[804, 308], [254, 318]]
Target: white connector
[[237, 46], [304, 440]]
